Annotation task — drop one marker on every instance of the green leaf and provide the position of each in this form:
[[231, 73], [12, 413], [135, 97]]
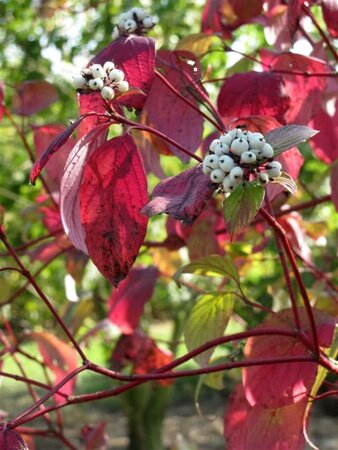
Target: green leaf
[[210, 266], [242, 205], [207, 321]]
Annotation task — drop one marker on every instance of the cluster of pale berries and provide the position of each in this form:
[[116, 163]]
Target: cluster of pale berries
[[137, 21], [236, 155], [107, 79]]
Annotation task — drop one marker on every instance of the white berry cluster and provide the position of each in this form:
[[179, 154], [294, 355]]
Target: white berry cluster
[[240, 155], [107, 79], [136, 21]]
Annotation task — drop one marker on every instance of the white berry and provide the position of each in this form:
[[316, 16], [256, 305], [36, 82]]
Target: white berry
[[263, 177], [274, 169], [239, 146], [126, 15], [123, 86], [258, 153], [130, 25], [116, 75], [98, 71], [213, 144], [212, 161], [235, 133], [226, 163], [206, 169], [79, 82], [140, 13], [236, 174], [267, 151], [248, 158], [226, 139], [107, 93], [108, 66], [221, 149], [228, 185], [96, 84], [148, 22], [257, 141], [115, 34], [217, 176]]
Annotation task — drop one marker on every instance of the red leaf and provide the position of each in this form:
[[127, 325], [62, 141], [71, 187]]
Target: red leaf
[[59, 357], [43, 136], [113, 191], [33, 96], [70, 185], [183, 196], [126, 304], [293, 226], [305, 92], [274, 386], [166, 111], [253, 93], [10, 440], [262, 124], [334, 185], [142, 352], [53, 147], [325, 143], [256, 428], [223, 16], [2, 106], [293, 13], [135, 55], [95, 438], [330, 13]]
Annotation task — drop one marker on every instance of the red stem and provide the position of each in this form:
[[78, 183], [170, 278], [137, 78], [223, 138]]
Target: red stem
[[29, 381], [41, 294], [286, 245]]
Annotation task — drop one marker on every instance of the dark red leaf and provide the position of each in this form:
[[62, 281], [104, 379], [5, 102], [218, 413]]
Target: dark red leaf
[[293, 14], [325, 143], [126, 304], [95, 438], [53, 147], [113, 191], [183, 196], [223, 16], [142, 352], [50, 250], [43, 136], [33, 96], [305, 92], [10, 440], [59, 357], [262, 124], [256, 428], [330, 13], [135, 55], [253, 93], [166, 111], [277, 385], [71, 181]]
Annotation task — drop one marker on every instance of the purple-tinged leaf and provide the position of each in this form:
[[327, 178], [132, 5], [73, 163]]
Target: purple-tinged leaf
[[242, 206], [70, 185], [293, 16], [53, 147], [295, 232], [126, 304], [183, 196], [166, 111], [330, 14], [283, 138], [253, 93], [95, 438], [325, 143], [33, 96], [113, 191], [11, 440]]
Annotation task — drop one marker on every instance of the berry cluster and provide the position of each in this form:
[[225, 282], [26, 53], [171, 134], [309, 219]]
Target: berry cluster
[[107, 79], [136, 21], [239, 155]]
